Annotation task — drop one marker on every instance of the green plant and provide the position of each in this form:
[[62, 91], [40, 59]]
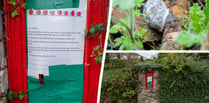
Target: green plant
[[13, 95], [94, 31], [131, 39], [197, 28], [184, 79], [15, 6], [118, 85]]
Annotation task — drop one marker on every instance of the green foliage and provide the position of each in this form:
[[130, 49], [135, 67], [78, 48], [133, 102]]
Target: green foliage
[[117, 86], [13, 2], [14, 12], [188, 39], [206, 12], [13, 95], [124, 4], [197, 28], [115, 64], [23, 5], [22, 95], [196, 19], [140, 34], [97, 54], [96, 30], [183, 80], [131, 38], [147, 67], [124, 42], [128, 94]]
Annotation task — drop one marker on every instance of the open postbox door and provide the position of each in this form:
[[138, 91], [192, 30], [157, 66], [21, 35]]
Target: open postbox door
[[55, 50], [149, 79]]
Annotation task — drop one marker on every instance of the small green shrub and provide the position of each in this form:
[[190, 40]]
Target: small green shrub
[[117, 86], [197, 26]]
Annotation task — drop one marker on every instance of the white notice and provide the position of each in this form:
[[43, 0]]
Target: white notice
[[55, 36], [149, 79]]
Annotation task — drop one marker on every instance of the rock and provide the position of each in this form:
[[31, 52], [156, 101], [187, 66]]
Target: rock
[[156, 13], [169, 43]]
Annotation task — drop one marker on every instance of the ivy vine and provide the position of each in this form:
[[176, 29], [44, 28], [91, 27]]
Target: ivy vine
[[15, 5], [14, 95], [94, 31]]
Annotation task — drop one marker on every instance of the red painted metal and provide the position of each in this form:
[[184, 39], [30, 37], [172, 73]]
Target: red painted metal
[[16, 50], [149, 74], [97, 13]]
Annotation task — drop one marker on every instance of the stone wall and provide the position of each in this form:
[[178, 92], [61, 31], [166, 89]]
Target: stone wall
[[148, 95], [3, 63]]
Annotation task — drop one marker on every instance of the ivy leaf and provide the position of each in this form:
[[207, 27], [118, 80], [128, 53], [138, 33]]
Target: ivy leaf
[[96, 48], [91, 56], [23, 5], [21, 97], [98, 59], [14, 95], [13, 2], [10, 95], [92, 31], [86, 32], [100, 53], [101, 26], [14, 13], [21, 92], [172, 83]]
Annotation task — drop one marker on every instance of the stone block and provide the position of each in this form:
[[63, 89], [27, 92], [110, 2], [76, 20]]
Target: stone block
[[3, 100], [3, 62], [3, 82]]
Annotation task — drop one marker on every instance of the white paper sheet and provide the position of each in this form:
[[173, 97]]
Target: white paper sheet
[[55, 39]]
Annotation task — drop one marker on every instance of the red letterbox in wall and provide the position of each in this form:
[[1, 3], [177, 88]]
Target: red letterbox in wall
[[149, 80]]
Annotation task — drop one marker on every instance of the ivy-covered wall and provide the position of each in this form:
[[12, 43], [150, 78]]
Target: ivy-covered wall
[[182, 78]]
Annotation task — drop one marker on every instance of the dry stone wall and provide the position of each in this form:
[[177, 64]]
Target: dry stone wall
[[3, 63], [148, 95]]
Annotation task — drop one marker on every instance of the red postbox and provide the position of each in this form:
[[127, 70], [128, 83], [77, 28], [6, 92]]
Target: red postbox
[[149, 80]]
